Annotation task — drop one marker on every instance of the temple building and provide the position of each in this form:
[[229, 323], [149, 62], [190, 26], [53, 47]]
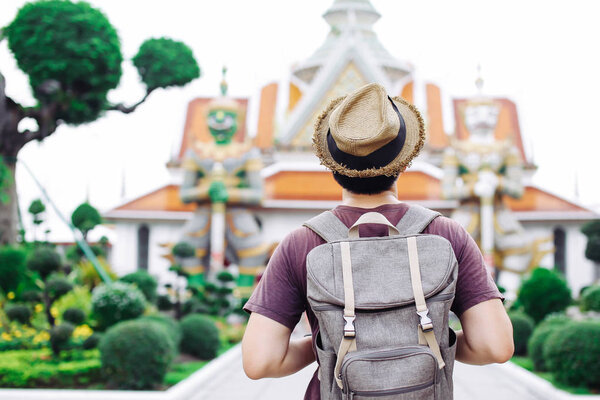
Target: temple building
[[296, 187]]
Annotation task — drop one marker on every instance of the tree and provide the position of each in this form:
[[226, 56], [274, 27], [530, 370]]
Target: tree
[[36, 209], [85, 218], [592, 231], [72, 55]]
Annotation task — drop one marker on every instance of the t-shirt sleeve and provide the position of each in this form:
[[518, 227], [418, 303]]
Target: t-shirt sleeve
[[278, 295], [474, 284]]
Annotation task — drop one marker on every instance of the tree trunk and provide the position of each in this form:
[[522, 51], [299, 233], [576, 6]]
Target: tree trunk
[[8, 211]]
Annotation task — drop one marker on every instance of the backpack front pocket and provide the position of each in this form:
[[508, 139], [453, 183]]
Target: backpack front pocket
[[400, 373]]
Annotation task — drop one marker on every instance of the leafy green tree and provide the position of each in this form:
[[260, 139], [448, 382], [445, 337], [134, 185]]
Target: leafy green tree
[[72, 56], [85, 218], [36, 209], [592, 231]]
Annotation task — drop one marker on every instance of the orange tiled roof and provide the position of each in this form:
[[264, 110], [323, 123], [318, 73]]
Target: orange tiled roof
[[196, 128], [317, 185]]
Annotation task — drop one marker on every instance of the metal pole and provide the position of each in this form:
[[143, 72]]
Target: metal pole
[[77, 235]]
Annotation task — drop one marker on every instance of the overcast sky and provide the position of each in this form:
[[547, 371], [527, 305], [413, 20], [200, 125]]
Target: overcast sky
[[541, 54]]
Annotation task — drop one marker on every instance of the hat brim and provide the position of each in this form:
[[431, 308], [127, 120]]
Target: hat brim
[[415, 139]]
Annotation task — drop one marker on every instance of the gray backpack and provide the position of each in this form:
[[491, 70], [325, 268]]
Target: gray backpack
[[383, 305]]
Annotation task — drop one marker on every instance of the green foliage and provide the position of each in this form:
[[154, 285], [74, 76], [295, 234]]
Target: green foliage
[[60, 336], [164, 303], [31, 296], [572, 353], [183, 250], [539, 338], [12, 268], [6, 180], [36, 369], [165, 62], [592, 249], [85, 218], [591, 228], [80, 298], [92, 341], [169, 324], [117, 302], [590, 300], [136, 354], [522, 329], [200, 336], [73, 44], [75, 254], [18, 312], [74, 316], [543, 293], [225, 276], [58, 286], [44, 260], [143, 281], [35, 209]]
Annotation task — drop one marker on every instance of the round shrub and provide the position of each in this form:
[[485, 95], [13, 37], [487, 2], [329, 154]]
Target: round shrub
[[522, 329], [183, 250], [74, 316], [136, 354], [44, 260], [590, 301], [539, 338], [31, 296], [12, 268], [18, 312], [169, 324], [225, 276], [117, 302], [200, 337], [164, 303], [543, 293], [58, 287], [85, 218], [145, 282], [573, 354], [60, 336], [92, 341]]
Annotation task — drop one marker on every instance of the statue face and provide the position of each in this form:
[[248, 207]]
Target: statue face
[[222, 125], [481, 120]]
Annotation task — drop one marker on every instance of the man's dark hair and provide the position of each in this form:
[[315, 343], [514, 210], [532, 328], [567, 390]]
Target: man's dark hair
[[374, 185]]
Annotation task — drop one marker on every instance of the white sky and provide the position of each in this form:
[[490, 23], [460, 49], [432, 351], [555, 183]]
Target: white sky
[[541, 54]]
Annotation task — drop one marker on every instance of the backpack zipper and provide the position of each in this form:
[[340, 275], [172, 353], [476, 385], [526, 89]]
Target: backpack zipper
[[333, 307], [390, 392]]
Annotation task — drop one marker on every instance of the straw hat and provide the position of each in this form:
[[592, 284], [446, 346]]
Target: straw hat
[[367, 133]]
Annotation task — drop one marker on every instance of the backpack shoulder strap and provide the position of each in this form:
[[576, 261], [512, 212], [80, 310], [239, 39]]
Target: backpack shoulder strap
[[328, 226], [416, 220]]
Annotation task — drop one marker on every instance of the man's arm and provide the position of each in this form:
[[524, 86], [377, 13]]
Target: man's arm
[[268, 352], [486, 336]]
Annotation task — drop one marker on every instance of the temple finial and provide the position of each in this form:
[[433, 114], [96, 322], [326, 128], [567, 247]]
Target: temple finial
[[479, 80], [223, 85]]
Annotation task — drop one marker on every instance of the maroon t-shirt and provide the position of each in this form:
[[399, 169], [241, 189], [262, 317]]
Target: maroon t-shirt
[[281, 293]]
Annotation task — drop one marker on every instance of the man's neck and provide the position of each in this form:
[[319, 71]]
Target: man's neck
[[369, 200]]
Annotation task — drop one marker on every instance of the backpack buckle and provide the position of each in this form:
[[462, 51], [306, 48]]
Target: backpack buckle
[[349, 331], [426, 323]]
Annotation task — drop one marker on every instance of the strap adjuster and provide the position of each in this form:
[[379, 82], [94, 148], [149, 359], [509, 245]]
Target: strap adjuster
[[349, 331], [425, 323]]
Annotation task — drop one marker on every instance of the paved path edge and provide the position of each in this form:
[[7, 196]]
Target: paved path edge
[[541, 385]]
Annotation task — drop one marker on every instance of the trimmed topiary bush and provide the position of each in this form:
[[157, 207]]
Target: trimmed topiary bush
[[74, 316], [117, 302], [169, 324], [92, 341], [145, 282], [200, 337], [164, 302], [136, 354], [60, 336], [57, 287], [12, 268], [590, 300], [44, 260], [539, 338], [522, 329], [545, 292], [183, 250], [18, 312], [572, 353]]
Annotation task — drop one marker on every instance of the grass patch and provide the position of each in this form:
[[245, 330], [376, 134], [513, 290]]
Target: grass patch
[[527, 363]]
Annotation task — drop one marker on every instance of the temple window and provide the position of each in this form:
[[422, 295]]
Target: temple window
[[143, 236]]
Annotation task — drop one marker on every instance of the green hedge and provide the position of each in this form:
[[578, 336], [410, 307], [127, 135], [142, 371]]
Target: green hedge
[[545, 292], [590, 299], [572, 354], [522, 329], [200, 336], [117, 302], [539, 338], [37, 369], [143, 281]]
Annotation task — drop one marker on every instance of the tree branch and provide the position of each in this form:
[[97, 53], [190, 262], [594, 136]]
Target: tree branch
[[127, 110]]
